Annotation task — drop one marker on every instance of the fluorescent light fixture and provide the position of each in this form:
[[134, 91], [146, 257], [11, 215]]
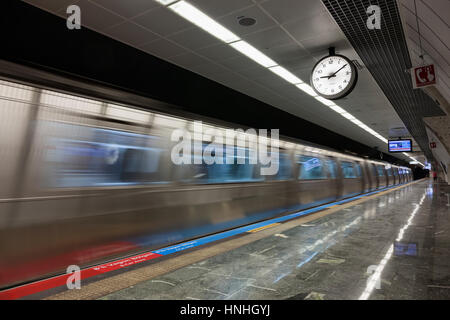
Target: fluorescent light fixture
[[253, 53], [307, 89], [348, 116], [414, 159], [337, 108], [201, 20], [358, 123], [285, 74], [166, 2], [326, 102]]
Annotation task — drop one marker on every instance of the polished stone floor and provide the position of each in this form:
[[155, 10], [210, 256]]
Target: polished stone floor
[[395, 246]]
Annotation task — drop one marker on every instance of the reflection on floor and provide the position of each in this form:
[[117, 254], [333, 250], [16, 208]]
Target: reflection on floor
[[395, 246]]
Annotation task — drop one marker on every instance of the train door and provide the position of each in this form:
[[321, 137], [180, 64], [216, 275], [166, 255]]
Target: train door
[[382, 177], [351, 179]]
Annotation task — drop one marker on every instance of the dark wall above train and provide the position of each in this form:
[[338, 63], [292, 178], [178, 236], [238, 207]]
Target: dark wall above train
[[36, 38]]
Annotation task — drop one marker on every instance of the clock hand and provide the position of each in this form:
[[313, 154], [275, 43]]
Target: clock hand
[[334, 74]]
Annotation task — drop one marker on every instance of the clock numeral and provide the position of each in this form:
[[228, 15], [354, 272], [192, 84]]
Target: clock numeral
[[316, 79], [330, 62], [340, 87], [319, 72], [332, 90]]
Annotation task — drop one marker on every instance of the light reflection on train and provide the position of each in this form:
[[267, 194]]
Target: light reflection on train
[[83, 186]]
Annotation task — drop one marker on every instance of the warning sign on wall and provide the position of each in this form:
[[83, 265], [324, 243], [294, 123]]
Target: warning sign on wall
[[423, 76]]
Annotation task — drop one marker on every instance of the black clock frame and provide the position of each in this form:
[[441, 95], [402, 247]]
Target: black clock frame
[[348, 89]]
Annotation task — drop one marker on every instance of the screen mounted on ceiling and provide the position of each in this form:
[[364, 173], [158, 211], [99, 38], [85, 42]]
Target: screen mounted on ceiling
[[400, 145]]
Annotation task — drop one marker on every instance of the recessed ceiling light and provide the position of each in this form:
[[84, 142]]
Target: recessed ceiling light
[[246, 21]]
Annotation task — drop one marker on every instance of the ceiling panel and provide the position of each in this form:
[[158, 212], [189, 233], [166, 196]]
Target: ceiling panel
[[287, 10], [162, 21], [53, 6], [210, 69], [311, 26], [219, 8], [194, 39], [96, 17], [163, 48], [125, 9], [134, 34], [285, 53], [219, 52], [268, 38], [188, 59]]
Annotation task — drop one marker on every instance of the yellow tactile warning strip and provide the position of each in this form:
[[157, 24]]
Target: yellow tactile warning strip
[[264, 227], [124, 280]]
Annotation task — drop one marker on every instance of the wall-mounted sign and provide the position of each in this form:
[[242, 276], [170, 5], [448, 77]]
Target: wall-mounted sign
[[403, 145], [433, 145], [423, 76]]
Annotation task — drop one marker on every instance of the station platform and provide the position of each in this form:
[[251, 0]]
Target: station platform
[[394, 244]]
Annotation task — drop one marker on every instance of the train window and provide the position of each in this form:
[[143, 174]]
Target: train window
[[284, 167], [225, 173], [380, 171], [348, 170], [80, 156], [395, 172], [311, 168], [374, 170], [389, 172], [358, 170], [140, 165], [332, 168]]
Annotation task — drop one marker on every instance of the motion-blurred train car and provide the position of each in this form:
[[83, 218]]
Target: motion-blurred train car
[[84, 181]]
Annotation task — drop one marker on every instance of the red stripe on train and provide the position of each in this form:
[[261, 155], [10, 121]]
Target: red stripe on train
[[14, 272], [39, 286]]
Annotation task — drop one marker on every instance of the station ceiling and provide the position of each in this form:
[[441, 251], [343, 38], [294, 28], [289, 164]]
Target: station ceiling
[[294, 33]]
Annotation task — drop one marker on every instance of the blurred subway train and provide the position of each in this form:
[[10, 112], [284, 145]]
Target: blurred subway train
[[85, 181]]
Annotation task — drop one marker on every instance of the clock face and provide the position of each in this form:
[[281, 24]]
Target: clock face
[[334, 77]]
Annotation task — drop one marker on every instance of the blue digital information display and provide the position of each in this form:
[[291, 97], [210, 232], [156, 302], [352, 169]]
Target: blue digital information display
[[400, 145]]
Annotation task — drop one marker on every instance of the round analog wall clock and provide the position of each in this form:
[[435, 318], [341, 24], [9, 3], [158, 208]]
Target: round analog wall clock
[[334, 77]]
